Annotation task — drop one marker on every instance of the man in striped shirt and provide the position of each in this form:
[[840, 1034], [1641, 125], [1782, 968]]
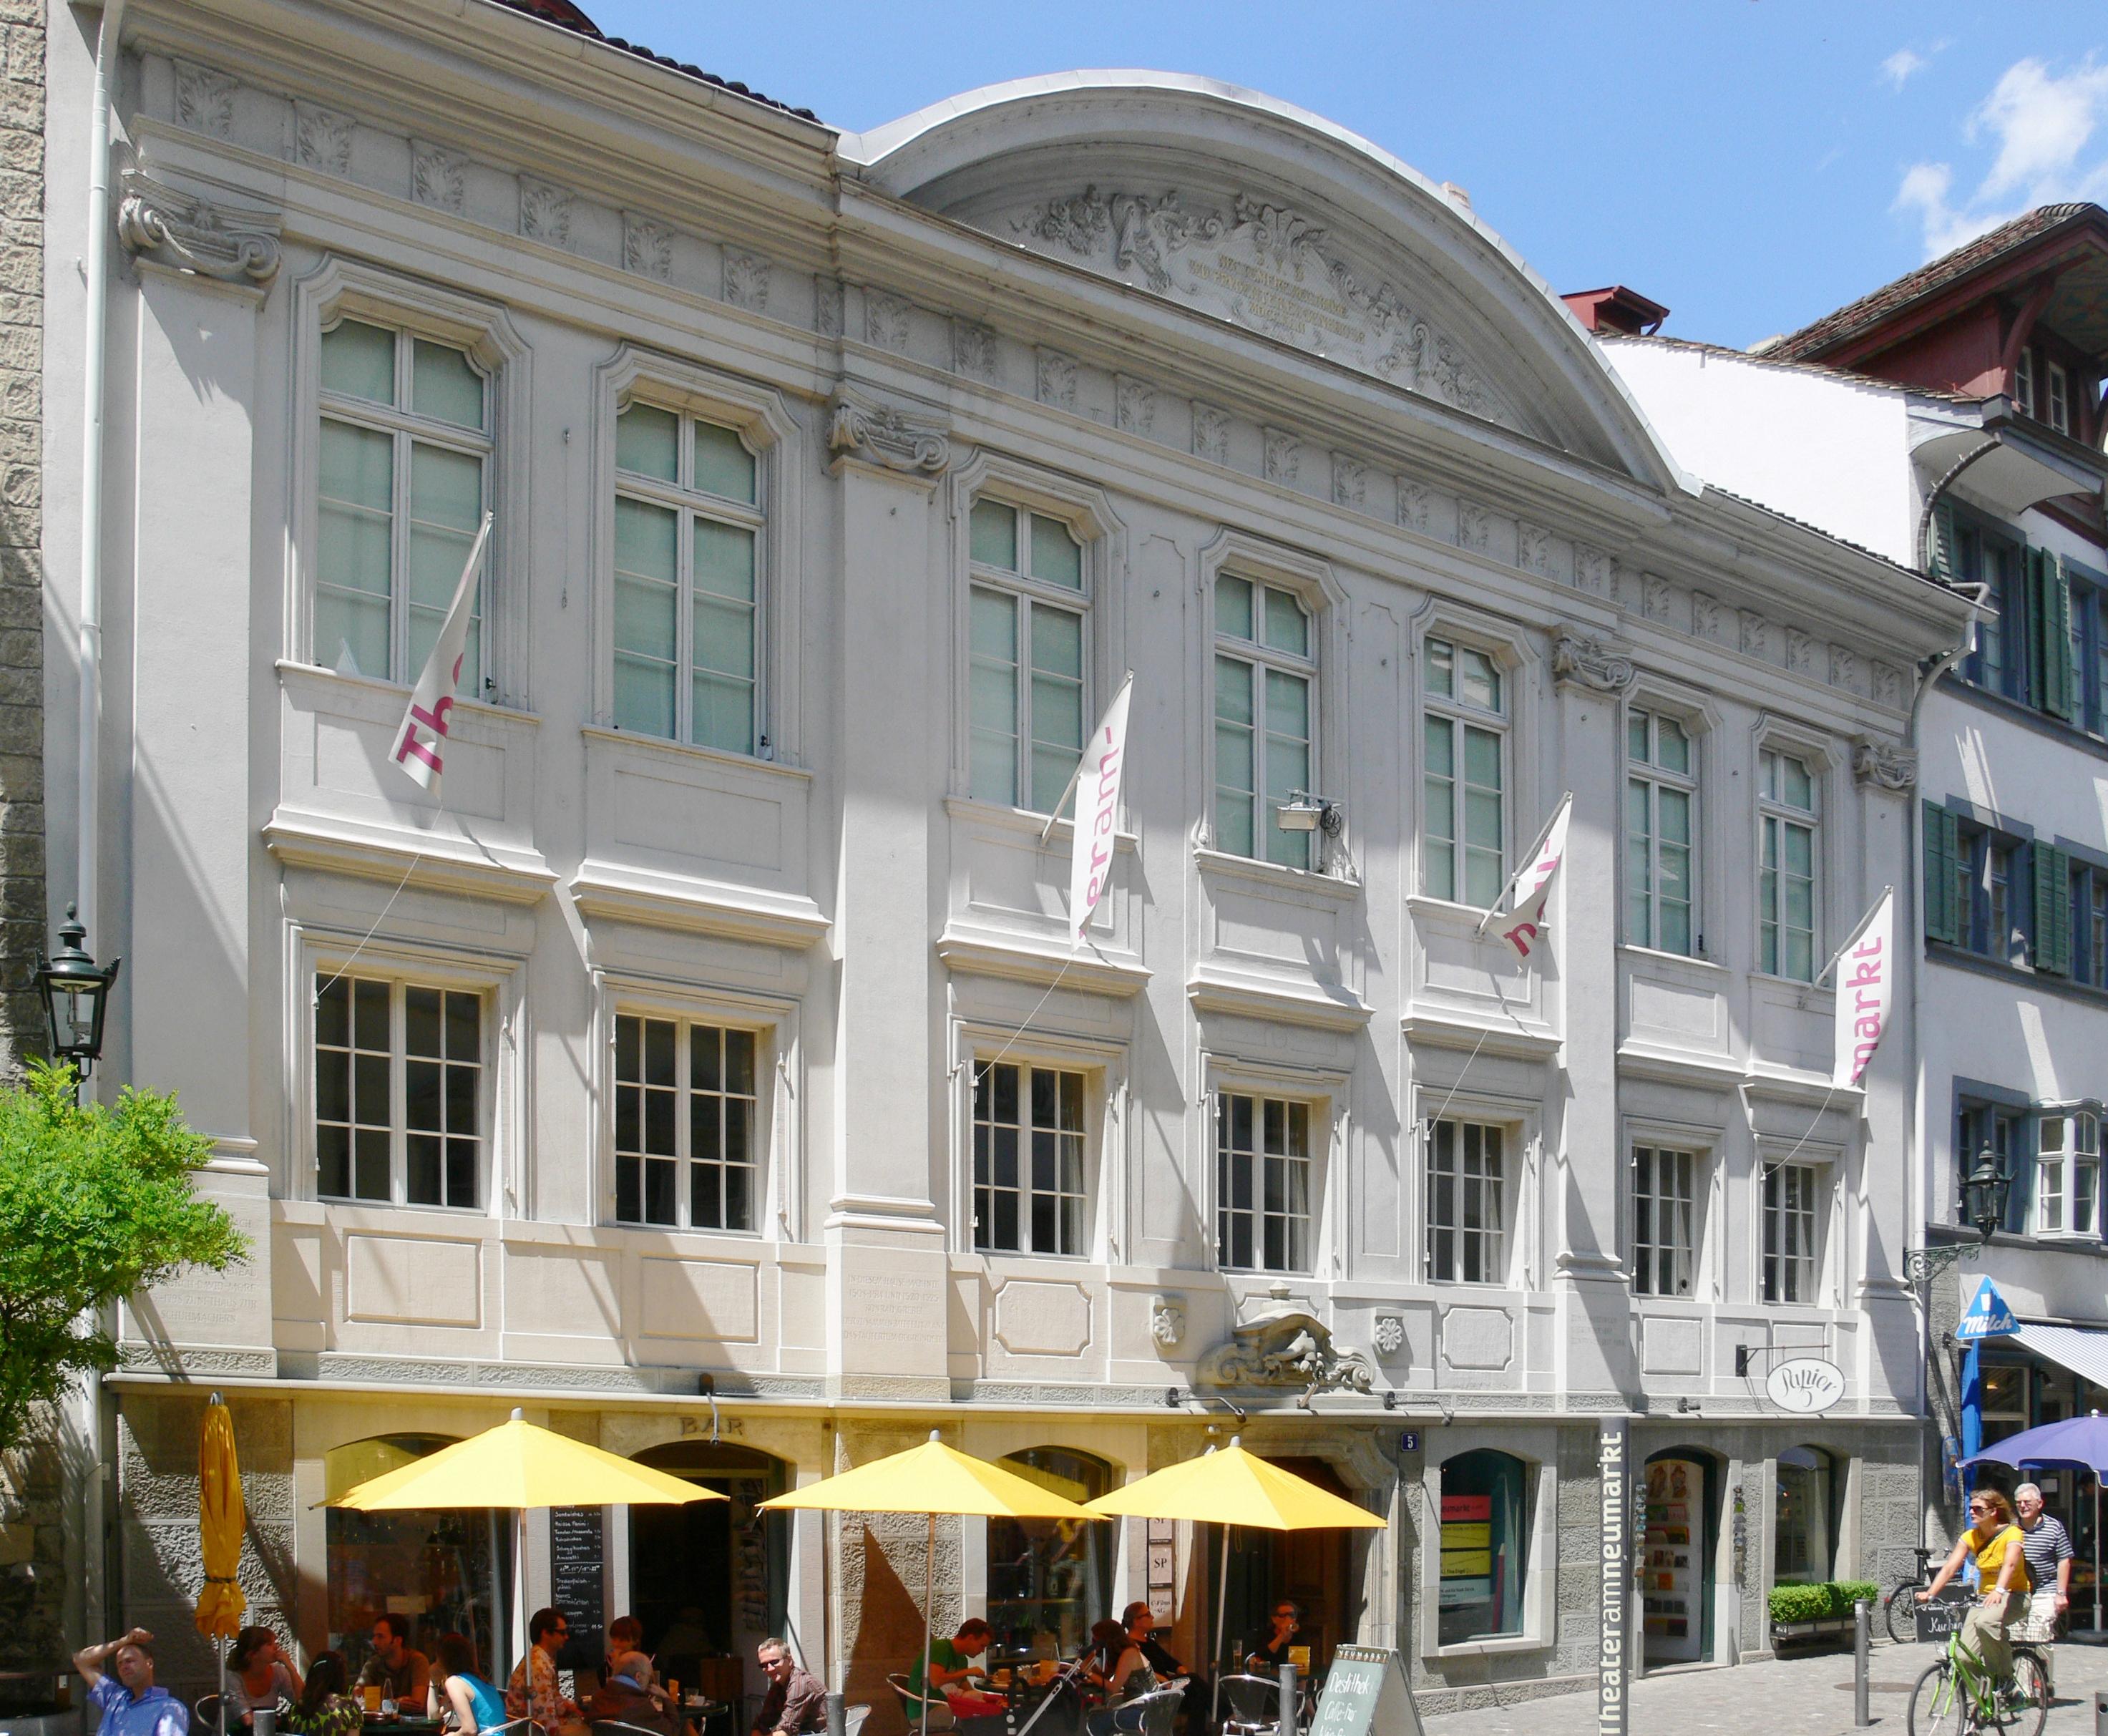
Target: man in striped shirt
[[2048, 1547]]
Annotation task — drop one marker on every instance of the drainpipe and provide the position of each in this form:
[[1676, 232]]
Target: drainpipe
[[96, 1506], [1929, 673], [95, 341]]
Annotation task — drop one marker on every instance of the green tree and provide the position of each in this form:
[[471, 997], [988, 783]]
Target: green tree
[[95, 1203]]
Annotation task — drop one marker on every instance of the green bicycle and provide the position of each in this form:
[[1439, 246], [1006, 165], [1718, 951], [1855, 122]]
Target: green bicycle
[[1955, 1695]]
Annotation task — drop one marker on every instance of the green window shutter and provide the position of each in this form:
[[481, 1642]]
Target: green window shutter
[[2053, 633], [2053, 888], [1946, 566], [1942, 846]]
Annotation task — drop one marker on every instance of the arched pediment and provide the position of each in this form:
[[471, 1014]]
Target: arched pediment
[[1258, 214]]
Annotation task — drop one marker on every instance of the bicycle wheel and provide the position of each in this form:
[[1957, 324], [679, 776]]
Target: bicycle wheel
[[2029, 1698], [1937, 1707], [1900, 1607]]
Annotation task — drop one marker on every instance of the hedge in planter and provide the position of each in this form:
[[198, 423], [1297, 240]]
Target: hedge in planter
[[1830, 1600]]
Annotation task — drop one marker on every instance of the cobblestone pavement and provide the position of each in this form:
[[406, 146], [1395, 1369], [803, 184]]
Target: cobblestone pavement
[[1802, 1696]]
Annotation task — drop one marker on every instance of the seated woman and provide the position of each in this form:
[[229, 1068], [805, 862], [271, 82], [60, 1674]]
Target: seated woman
[[327, 1708], [1115, 1664], [458, 1694], [951, 1669], [259, 1674]]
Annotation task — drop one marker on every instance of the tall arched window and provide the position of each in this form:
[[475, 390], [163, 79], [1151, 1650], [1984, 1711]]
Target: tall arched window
[[1485, 1545], [1804, 1531], [446, 1570], [1048, 1580]]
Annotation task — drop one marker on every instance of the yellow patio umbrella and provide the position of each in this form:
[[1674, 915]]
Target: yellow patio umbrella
[[519, 1465], [220, 1519], [932, 1479], [1234, 1487]]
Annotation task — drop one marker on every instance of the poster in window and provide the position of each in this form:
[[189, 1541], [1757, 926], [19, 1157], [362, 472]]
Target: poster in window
[[1672, 1590]]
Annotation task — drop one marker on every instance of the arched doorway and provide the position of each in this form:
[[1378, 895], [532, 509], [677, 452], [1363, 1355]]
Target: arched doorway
[[1678, 1546], [1309, 1569], [1048, 1580], [712, 1580], [442, 1570], [1804, 1521]]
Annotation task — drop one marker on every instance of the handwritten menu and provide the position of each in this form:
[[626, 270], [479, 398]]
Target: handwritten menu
[[1365, 1692], [578, 1574]]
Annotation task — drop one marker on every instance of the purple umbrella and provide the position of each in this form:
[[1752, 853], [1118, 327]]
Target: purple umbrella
[[2080, 1441]]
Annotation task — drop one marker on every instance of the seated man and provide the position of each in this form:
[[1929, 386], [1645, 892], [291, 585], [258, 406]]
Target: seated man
[[952, 1671], [399, 1671], [795, 1705], [120, 1687]]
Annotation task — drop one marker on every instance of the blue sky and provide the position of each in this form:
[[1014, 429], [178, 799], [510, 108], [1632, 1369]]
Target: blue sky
[[1753, 163]]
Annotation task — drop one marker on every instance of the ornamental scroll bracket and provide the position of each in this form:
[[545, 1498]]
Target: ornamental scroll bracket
[[1579, 660], [1284, 1345], [1885, 765], [882, 435], [163, 225]]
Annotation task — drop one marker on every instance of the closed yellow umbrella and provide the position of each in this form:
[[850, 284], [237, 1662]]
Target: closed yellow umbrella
[[220, 1519], [1234, 1487], [932, 1479], [519, 1465]]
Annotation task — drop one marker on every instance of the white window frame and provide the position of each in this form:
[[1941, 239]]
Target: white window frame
[[340, 289], [1820, 1172], [2057, 397], [779, 1214], [1261, 1159], [1508, 1182], [1325, 1092], [976, 1042], [1655, 779], [1257, 562], [1028, 594], [1027, 1068], [764, 422], [1264, 660], [1521, 1119], [1461, 715], [2023, 381], [315, 955], [1537, 1445], [682, 1156], [1646, 1257], [1088, 513], [1770, 812], [2076, 1159]]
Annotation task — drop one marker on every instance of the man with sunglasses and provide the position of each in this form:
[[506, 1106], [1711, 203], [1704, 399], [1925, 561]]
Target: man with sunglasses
[[1269, 1651], [795, 1704], [532, 1691]]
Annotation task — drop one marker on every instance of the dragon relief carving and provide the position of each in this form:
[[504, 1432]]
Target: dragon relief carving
[[1284, 1345]]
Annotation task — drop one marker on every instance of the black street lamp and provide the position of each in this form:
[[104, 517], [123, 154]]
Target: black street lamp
[[76, 991], [1984, 1193]]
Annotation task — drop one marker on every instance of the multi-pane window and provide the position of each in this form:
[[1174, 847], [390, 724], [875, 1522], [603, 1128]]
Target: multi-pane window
[[1262, 1182], [1999, 660], [2023, 381], [2089, 654], [1665, 1220], [1984, 896], [1791, 1221], [1786, 881], [2001, 1132], [687, 607], [1028, 1160], [1025, 679], [686, 1113], [2058, 396], [401, 489], [1661, 798], [2068, 1173], [2089, 925], [1467, 1202], [399, 1092], [1266, 678], [1463, 841]]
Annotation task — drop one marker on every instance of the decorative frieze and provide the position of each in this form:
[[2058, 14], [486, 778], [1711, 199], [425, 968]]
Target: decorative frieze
[[1412, 505], [1800, 652], [973, 350], [1844, 668], [1211, 433], [1753, 633], [1578, 660], [1054, 378], [647, 246], [1885, 765], [204, 99], [884, 435], [1350, 481], [886, 321], [1655, 597], [1594, 570], [1705, 616], [176, 229], [545, 212], [744, 279], [1474, 527], [1284, 457], [322, 138], [1134, 405], [1533, 548], [1888, 686], [435, 176]]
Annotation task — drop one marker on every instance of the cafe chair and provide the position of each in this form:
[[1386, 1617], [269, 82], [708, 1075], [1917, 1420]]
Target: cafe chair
[[852, 1720], [205, 1715], [1148, 1714], [911, 1703], [1251, 1704]]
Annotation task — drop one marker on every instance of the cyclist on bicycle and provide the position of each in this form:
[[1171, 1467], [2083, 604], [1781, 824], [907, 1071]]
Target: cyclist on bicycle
[[1994, 1542]]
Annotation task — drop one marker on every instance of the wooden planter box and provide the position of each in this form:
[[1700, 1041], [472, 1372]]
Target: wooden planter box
[[1830, 1627]]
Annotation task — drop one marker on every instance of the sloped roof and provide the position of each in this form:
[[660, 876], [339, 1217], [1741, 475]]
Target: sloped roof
[[1949, 267], [566, 16]]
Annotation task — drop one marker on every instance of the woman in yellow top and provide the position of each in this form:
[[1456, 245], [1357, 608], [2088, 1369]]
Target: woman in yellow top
[[1993, 1538]]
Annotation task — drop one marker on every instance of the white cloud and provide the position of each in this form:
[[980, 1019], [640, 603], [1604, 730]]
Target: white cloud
[[1900, 67], [2038, 124]]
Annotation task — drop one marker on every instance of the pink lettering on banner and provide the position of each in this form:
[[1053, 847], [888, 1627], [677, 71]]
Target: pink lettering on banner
[[1514, 936], [435, 720]]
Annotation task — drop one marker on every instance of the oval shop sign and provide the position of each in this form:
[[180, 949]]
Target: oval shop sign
[[1807, 1384]]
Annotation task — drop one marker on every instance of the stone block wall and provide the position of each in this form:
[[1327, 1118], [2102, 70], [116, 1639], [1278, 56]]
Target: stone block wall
[[162, 1563], [32, 1548]]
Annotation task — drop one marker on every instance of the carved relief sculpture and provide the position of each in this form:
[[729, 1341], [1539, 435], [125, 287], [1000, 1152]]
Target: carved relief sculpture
[[1473, 526], [1350, 481], [1844, 668], [545, 212], [1580, 660], [744, 279], [157, 222], [1211, 433], [1284, 457], [1055, 379], [1799, 651], [827, 307], [204, 99], [1654, 596], [1704, 615], [973, 350], [1390, 1335], [1533, 548], [1884, 765], [1753, 635], [1888, 686], [435, 176], [647, 246], [1167, 1321], [882, 435], [323, 138], [1284, 1345], [886, 321], [1134, 405], [1412, 505], [1594, 569]]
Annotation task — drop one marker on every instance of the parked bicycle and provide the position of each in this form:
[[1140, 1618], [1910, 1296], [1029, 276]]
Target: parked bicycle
[[1958, 1696], [1900, 1606]]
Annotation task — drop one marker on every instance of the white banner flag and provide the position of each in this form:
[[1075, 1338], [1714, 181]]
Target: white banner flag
[[1097, 809], [1866, 985], [433, 697], [1524, 921]]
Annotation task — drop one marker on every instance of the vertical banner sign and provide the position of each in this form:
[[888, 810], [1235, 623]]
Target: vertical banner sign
[[1866, 984], [1097, 812], [433, 697], [1525, 920], [1614, 1636]]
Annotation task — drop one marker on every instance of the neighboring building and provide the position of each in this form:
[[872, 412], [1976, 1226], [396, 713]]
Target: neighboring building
[[706, 1071], [1951, 419]]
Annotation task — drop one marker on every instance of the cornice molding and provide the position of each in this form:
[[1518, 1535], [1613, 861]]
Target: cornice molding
[[163, 225], [886, 437], [1578, 660]]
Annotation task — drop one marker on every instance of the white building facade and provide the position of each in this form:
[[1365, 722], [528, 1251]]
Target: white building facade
[[705, 1071]]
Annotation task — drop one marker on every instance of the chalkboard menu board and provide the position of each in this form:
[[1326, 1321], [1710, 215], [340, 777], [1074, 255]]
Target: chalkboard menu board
[[1365, 1695], [577, 1556], [1944, 1615]]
